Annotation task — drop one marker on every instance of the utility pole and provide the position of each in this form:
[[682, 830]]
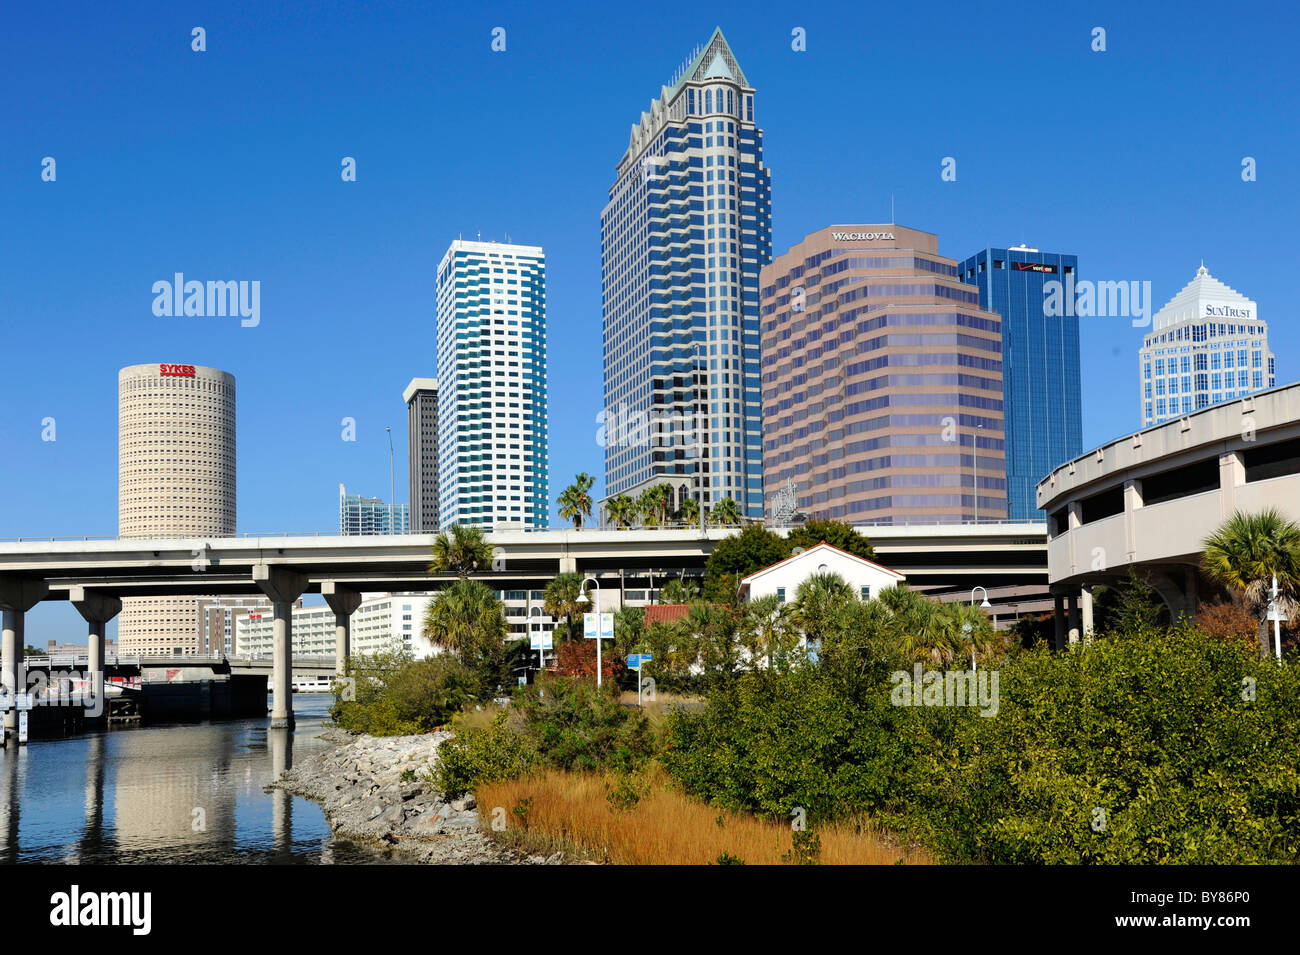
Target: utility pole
[[392, 483]]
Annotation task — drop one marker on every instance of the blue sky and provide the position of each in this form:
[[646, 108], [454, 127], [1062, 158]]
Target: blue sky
[[225, 165]]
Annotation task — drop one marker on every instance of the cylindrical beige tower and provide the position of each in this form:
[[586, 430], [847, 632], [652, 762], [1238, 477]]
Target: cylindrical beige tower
[[176, 478]]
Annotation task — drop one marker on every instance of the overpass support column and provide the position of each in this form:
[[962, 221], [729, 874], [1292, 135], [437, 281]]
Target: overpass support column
[[343, 601], [1072, 610], [282, 587], [17, 596], [98, 610], [568, 565], [1085, 607], [1058, 618]]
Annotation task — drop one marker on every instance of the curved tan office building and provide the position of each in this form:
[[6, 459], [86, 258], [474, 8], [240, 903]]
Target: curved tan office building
[[176, 478]]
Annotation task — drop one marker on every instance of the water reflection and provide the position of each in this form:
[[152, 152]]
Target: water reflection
[[184, 793]]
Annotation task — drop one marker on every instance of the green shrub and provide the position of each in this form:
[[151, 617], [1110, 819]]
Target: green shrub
[[1131, 749], [480, 755], [396, 695], [558, 723]]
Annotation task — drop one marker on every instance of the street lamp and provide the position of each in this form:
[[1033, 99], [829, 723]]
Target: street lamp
[[392, 481], [582, 600], [970, 630], [541, 644]]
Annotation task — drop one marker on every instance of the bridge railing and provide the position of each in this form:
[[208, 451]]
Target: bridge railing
[[667, 526]]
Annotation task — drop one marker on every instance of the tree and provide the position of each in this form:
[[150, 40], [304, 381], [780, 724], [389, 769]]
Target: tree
[[621, 510], [726, 513], [1228, 621], [818, 601], [655, 504], [575, 500], [578, 658], [836, 533], [1246, 553], [732, 558], [689, 512], [768, 631], [462, 550], [560, 599], [679, 591], [465, 613], [1130, 607]]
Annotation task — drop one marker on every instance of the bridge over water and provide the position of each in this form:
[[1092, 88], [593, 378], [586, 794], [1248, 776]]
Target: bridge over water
[[1009, 559]]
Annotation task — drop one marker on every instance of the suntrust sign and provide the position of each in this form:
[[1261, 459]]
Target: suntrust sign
[[176, 371], [1226, 311], [861, 236]]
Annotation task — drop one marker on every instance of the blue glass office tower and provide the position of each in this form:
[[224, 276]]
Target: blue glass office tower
[[686, 230], [1040, 365]]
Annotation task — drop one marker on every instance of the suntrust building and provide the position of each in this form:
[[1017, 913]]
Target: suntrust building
[[882, 381]]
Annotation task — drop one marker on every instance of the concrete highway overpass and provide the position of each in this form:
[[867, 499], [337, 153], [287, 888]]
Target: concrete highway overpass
[[1149, 500], [1008, 559]]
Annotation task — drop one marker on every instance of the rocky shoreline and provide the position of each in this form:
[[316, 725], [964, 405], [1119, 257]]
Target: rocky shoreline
[[359, 784]]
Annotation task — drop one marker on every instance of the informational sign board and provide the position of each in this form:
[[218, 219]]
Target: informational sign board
[[634, 660], [606, 624], [541, 641]]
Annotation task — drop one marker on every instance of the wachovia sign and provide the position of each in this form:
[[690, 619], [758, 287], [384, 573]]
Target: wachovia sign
[[861, 236]]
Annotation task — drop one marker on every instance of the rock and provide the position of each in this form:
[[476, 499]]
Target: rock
[[359, 783], [463, 803]]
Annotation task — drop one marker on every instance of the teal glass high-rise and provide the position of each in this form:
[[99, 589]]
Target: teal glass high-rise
[[1042, 399], [686, 230]]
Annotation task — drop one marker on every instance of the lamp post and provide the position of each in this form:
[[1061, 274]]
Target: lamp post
[[392, 482], [584, 599], [967, 627], [541, 648]]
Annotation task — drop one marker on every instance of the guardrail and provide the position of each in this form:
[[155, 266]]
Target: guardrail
[[669, 526]]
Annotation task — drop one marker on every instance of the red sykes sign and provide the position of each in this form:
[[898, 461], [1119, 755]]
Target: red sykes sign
[[176, 371]]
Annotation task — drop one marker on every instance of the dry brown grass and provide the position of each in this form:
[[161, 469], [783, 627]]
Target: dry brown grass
[[657, 709], [574, 813]]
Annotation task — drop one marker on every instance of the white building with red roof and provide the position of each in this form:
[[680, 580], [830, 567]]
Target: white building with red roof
[[867, 578]]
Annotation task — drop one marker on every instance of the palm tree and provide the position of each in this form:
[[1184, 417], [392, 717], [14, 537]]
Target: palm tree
[[621, 510], [560, 599], [462, 550], [575, 500], [818, 601], [726, 513], [679, 591], [463, 615], [689, 512], [1246, 553], [769, 630], [655, 504], [646, 507], [924, 629]]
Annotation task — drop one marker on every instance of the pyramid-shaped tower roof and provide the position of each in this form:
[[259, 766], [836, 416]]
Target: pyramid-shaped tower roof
[[1201, 292]]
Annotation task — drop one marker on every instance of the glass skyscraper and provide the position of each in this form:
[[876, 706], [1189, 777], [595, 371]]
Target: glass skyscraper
[[686, 231], [1040, 365], [492, 430], [370, 515], [1206, 345]]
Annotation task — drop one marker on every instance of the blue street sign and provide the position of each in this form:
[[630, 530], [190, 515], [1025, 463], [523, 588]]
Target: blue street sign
[[634, 660]]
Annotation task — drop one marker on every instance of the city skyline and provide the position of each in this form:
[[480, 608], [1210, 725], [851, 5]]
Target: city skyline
[[350, 266]]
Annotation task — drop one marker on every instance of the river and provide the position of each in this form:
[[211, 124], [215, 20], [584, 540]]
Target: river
[[174, 793]]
